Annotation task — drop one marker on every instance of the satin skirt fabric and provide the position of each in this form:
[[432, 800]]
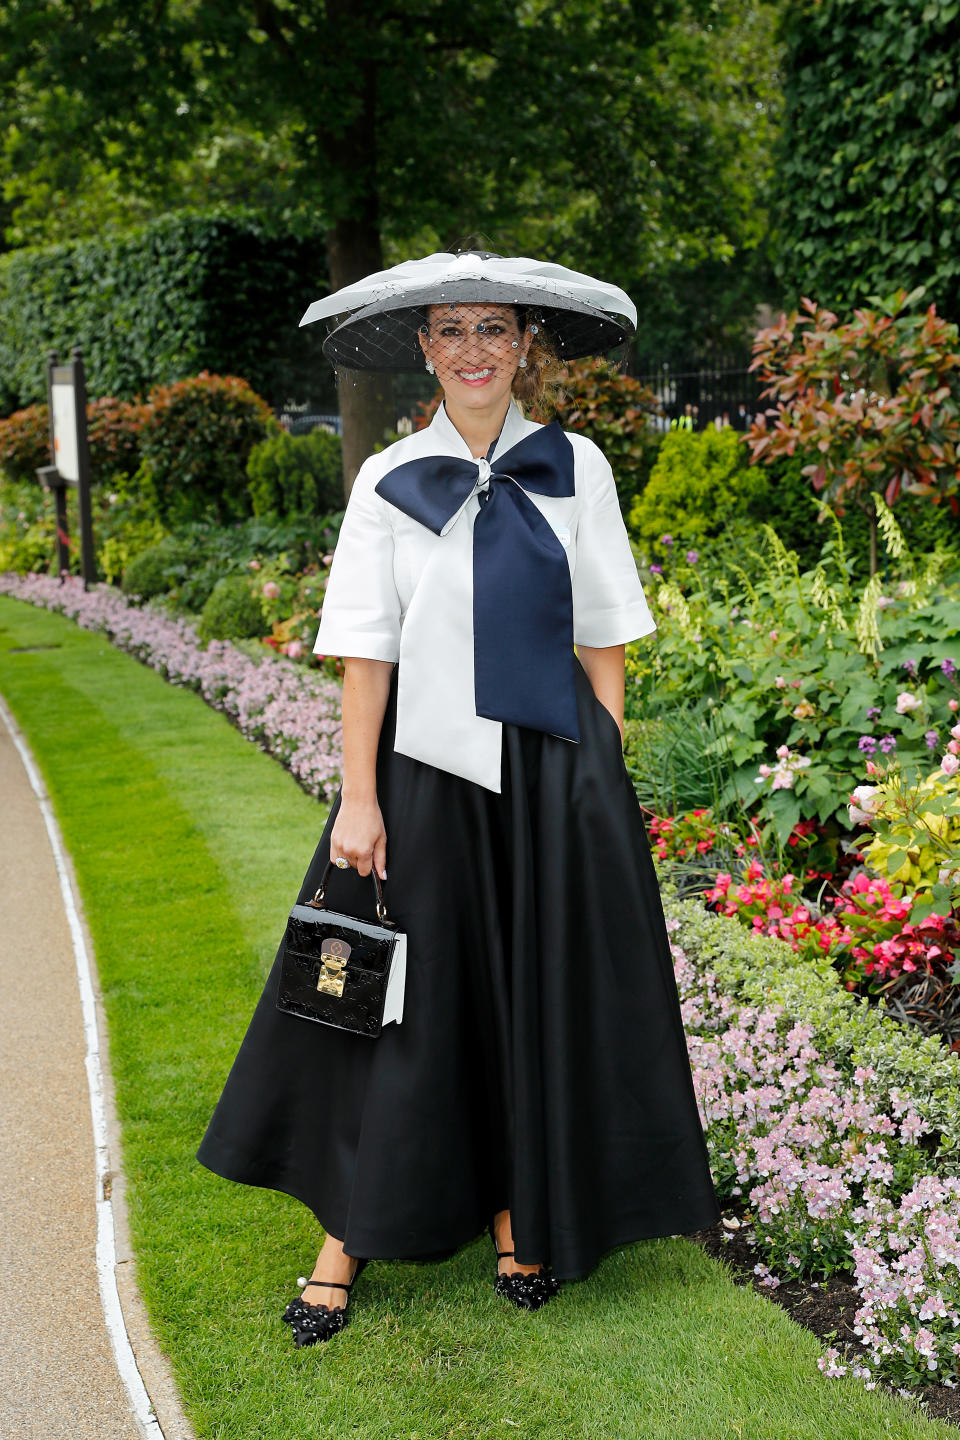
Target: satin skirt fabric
[[541, 1064]]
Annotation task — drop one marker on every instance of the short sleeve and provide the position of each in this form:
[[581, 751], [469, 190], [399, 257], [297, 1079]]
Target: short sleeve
[[361, 607], [609, 606]]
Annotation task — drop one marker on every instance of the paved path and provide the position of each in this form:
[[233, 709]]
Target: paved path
[[58, 1373]]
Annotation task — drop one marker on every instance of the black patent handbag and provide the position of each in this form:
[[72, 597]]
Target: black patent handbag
[[340, 971]]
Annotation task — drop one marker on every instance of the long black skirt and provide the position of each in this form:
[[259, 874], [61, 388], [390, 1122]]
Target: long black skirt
[[541, 1065]]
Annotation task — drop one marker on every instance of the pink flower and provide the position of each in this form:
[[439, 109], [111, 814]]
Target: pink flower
[[254, 564], [953, 704], [950, 764], [907, 702], [294, 649], [780, 682], [270, 589]]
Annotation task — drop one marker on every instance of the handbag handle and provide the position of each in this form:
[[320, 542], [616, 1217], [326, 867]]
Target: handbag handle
[[318, 899]]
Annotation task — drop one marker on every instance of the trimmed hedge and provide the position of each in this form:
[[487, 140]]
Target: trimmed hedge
[[867, 162], [185, 293], [296, 474], [196, 440]]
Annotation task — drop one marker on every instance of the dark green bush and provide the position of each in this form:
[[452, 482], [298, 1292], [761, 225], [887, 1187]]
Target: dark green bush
[[789, 503], [154, 571], [187, 292], [232, 612], [196, 441], [296, 474]]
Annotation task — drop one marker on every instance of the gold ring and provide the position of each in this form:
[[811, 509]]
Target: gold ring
[[342, 864]]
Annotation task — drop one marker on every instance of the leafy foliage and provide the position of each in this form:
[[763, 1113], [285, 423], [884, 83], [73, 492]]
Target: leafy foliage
[[699, 484], [197, 438], [183, 293], [113, 434], [635, 141], [152, 572], [867, 163], [296, 474], [915, 832], [232, 611], [803, 674], [615, 411], [873, 404]]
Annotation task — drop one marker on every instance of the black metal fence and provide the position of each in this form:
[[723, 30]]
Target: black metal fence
[[715, 388]]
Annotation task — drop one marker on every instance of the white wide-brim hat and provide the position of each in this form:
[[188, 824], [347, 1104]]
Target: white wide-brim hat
[[379, 317]]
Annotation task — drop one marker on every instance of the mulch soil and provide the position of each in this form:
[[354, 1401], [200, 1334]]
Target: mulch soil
[[826, 1307]]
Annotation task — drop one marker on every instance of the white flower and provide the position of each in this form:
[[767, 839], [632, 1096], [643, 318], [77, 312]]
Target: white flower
[[907, 702], [864, 804]]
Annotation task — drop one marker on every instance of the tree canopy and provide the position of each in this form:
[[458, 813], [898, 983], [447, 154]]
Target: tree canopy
[[629, 139]]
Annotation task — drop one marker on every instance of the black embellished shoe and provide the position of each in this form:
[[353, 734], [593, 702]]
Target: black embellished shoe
[[313, 1323], [528, 1292]]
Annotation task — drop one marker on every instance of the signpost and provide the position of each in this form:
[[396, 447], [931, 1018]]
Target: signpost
[[70, 453]]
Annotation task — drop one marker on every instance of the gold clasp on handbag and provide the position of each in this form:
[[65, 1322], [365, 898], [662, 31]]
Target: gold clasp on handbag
[[333, 966]]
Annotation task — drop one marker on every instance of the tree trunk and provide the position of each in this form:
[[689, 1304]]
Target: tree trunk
[[354, 250], [366, 396]]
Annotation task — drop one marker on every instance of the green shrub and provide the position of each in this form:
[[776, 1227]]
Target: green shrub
[[615, 411], [231, 612], [28, 527], [804, 660], [296, 474], [113, 433], [196, 440], [184, 293], [700, 483], [154, 570], [791, 506]]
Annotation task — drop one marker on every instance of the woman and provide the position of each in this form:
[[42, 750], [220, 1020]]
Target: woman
[[539, 1084]]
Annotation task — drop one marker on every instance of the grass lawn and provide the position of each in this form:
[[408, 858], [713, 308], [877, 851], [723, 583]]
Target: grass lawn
[[189, 845]]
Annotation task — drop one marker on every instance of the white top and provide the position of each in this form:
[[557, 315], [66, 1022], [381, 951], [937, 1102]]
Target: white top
[[399, 592]]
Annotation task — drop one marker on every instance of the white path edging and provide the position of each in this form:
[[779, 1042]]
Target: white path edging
[[106, 1252]]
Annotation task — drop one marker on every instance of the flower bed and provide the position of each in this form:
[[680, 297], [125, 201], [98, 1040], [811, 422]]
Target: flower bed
[[291, 713], [839, 1130]]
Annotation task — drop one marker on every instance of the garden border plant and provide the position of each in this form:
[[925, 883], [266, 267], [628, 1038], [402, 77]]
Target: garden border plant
[[904, 1072], [424, 1340], [292, 714]]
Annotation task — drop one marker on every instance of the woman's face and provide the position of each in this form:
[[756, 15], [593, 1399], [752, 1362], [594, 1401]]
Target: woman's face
[[475, 351]]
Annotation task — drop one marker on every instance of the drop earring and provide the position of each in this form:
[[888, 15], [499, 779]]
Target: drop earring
[[430, 369], [522, 363]]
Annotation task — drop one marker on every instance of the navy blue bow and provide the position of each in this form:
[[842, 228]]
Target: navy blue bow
[[522, 598]]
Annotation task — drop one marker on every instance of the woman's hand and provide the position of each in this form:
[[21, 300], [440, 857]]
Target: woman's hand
[[358, 835]]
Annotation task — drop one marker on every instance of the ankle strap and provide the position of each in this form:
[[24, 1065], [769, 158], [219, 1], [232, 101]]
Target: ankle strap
[[505, 1254], [330, 1284]]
